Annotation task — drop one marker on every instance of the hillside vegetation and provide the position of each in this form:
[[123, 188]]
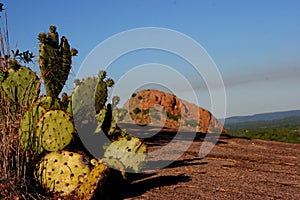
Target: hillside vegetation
[[281, 130]]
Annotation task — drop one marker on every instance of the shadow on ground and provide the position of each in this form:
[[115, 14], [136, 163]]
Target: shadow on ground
[[137, 188], [138, 184]]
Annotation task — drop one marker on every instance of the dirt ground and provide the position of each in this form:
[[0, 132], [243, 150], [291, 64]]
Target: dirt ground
[[236, 168]]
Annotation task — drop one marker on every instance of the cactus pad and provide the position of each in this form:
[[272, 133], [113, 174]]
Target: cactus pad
[[100, 118], [94, 182], [115, 164], [101, 91], [48, 102], [83, 102], [21, 86], [131, 151], [62, 172], [55, 129], [28, 137]]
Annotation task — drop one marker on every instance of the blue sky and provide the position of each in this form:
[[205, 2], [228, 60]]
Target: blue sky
[[255, 44]]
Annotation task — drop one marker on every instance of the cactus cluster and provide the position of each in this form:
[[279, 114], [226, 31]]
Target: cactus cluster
[[47, 128], [55, 61], [89, 98]]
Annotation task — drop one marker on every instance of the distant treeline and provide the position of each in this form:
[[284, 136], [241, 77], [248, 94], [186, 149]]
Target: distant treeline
[[282, 130]]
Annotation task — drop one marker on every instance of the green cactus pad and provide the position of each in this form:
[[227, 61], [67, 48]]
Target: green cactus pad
[[100, 118], [62, 172], [100, 95], [69, 108], [21, 86], [83, 102], [93, 183], [131, 151], [115, 164], [114, 120], [55, 129], [28, 137], [48, 102]]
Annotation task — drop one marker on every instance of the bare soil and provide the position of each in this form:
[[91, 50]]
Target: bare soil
[[236, 168]]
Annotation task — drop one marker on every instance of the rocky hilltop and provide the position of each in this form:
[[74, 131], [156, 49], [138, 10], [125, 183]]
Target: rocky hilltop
[[160, 108]]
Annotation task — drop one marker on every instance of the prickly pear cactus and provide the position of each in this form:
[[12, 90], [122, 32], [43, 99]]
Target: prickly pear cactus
[[55, 129], [48, 102], [21, 86], [131, 151], [93, 183], [100, 118], [89, 98], [28, 138], [55, 61], [115, 115], [62, 172], [2, 75], [83, 101], [101, 90], [65, 102], [115, 164]]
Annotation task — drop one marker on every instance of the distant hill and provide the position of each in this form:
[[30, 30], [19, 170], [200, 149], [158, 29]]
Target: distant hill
[[282, 130], [263, 117]]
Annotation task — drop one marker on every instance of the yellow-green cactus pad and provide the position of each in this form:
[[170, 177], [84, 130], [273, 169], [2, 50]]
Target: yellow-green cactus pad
[[48, 102], [28, 137], [62, 172], [114, 164], [56, 130], [93, 183], [131, 151]]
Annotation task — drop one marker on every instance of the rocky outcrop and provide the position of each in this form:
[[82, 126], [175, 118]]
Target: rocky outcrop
[[165, 109]]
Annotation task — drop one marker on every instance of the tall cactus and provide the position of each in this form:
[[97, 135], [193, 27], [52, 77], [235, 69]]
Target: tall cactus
[[55, 61]]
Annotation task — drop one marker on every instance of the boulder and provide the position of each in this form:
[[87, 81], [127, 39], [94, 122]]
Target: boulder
[[160, 108]]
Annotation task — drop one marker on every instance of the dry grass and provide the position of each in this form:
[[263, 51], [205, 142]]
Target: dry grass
[[15, 173]]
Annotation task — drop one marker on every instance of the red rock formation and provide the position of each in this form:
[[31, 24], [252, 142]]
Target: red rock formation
[[148, 106]]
